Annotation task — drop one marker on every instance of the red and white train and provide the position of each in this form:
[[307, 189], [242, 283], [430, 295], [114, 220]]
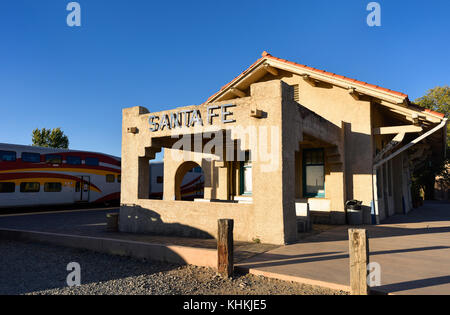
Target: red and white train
[[35, 176]]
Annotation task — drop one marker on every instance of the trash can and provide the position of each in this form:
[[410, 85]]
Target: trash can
[[354, 212], [112, 222]]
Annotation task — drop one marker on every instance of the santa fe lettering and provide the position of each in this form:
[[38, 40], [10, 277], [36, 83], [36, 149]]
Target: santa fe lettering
[[191, 118]]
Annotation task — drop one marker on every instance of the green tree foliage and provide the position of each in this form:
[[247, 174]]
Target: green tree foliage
[[54, 138], [437, 99]]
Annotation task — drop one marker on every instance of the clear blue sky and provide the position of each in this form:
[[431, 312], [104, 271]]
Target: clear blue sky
[[174, 53]]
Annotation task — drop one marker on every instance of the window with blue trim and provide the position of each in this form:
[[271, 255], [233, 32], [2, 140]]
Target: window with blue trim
[[313, 173]]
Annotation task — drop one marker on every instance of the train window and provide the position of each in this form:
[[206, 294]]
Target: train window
[[119, 178], [53, 159], [29, 187], [7, 187], [159, 180], [52, 187], [7, 156], [91, 161], [73, 160], [78, 187], [31, 157], [110, 178]]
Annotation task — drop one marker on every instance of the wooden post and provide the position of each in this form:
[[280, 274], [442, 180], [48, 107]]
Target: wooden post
[[359, 259], [225, 247]]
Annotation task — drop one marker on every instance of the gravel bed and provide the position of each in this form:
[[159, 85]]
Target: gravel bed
[[31, 268]]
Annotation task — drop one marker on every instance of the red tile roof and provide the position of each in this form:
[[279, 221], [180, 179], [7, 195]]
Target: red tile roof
[[266, 55], [420, 108]]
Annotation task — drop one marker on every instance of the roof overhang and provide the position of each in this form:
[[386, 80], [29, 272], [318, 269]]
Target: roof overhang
[[396, 101]]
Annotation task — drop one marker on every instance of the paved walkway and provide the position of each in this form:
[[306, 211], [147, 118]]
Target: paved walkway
[[413, 251], [92, 223]]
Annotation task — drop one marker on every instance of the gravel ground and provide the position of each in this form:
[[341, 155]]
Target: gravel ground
[[31, 268]]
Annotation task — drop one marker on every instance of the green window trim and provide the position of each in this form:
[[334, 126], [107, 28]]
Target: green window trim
[[243, 166]]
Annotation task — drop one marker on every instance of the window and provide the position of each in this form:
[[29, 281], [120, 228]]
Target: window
[[31, 157], [7, 187], [53, 159], [7, 156], [110, 178], [29, 187], [91, 161], [246, 175], [313, 173], [73, 160], [159, 179], [52, 187], [119, 178]]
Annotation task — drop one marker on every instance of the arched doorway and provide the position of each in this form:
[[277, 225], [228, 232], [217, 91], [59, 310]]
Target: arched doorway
[[189, 181]]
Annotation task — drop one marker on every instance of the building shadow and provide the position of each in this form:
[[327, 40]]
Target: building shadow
[[135, 219], [414, 284]]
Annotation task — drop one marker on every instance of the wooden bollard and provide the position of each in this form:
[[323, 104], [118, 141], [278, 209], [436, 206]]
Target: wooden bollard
[[359, 259], [225, 247]]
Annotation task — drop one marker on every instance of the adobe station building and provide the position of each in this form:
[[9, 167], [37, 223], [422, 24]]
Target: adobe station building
[[278, 139]]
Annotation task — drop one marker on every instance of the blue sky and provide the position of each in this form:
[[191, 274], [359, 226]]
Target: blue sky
[[167, 54]]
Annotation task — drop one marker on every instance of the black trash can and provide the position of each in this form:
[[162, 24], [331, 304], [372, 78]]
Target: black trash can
[[354, 212]]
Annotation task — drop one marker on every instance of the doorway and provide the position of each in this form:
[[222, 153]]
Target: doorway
[[82, 189]]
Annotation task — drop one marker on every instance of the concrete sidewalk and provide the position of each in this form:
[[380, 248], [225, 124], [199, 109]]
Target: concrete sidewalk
[[87, 227], [413, 251]]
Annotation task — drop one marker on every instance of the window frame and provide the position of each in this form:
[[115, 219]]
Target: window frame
[[6, 151], [304, 166], [8, 192], [90, 158], [74, 157], [53, 191], [30, 153], [54, 155], [109, 176], [243, 165], [27, 192]]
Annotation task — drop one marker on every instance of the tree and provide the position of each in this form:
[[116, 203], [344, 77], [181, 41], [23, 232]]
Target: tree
[[437, 99], [54, 138]]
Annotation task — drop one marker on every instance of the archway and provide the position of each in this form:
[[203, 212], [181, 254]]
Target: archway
[[189, 181]]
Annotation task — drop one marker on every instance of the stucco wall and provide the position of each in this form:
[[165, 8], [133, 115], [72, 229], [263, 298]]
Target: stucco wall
[[271, 216]]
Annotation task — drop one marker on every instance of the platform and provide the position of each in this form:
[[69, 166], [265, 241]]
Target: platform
[[413, 251]]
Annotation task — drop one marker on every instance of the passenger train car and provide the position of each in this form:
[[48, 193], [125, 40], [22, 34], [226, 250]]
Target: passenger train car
[[192, 184], [35, 176]]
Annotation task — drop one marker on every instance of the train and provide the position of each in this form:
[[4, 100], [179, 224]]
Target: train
[[37, 176], [33, 176], [192, 185]]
